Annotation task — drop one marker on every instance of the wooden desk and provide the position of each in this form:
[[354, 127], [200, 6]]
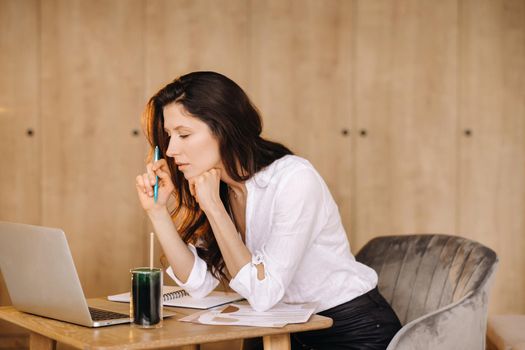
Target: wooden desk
[[46, 332]]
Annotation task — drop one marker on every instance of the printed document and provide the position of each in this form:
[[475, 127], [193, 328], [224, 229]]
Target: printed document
[[243, 315]]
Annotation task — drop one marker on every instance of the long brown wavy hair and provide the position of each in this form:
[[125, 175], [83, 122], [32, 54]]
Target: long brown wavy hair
[[235, 122]]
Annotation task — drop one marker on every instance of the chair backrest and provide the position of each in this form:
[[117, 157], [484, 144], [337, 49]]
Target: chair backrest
[[422, 273]]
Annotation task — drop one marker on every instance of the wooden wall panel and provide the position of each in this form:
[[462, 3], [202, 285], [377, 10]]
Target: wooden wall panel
[[301, 80], [184, 36], [492, 159], [19, 112], [405, 97], [19, 98], [92, 97]]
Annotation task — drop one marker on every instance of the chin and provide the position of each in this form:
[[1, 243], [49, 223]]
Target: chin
[[189, 174]]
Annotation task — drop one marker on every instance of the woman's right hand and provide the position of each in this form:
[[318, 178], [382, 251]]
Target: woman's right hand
[[146, 182]]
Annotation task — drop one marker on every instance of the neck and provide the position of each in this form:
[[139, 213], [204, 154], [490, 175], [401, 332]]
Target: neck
[[238, 188]]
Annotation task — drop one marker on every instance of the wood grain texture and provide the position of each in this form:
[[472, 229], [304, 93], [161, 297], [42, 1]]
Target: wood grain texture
[[491, 202], [39, 342], [301, 80], [184, 36], [19, 111], [92, 97], [13, 342], [173, 333], [188, 347], [280, 342], [414, 75], [405, 96], [20, 176]]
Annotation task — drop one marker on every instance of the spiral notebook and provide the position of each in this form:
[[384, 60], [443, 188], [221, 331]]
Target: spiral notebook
[[176, 296]]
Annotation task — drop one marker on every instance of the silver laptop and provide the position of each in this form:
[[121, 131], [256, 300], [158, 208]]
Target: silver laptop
[[41, 278]]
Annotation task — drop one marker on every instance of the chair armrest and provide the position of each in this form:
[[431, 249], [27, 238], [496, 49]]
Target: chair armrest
[[460, 325]]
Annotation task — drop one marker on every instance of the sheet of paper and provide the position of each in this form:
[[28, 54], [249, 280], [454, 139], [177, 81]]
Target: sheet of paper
[[213, 299], [243, 315]]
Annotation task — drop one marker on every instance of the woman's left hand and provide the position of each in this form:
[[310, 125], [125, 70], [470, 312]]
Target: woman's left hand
[[205, 189]]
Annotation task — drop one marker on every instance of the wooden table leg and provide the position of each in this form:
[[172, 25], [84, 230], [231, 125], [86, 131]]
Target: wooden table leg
[[277, 342], [39, 342]]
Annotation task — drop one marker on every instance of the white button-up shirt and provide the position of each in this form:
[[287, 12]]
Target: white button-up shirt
[[293, 227]]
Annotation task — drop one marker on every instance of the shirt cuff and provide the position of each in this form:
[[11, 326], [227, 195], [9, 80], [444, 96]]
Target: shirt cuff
[[197, 274], [242, 282]]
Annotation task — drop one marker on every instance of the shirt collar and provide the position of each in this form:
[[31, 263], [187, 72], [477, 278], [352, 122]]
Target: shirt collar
[[263, 177]]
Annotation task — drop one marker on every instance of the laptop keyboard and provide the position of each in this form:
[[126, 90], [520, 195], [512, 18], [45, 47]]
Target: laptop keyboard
[[101, 315]]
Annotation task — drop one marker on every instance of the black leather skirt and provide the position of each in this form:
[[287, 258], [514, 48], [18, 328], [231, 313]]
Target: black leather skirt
[[366, 322]]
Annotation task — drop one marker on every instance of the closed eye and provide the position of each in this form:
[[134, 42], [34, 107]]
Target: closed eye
[[184, 136]]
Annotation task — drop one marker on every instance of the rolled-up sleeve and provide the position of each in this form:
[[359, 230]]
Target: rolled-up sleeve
[[296, 217], [200, 282]]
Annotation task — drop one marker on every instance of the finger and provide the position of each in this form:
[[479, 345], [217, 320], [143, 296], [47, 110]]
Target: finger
[[162, 174], [160, 164], [147, 185], [140, 183], [192, 187], [151, 174], [200, 179]]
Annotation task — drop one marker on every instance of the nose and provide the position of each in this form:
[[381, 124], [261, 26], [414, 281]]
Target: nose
[[173, 149]]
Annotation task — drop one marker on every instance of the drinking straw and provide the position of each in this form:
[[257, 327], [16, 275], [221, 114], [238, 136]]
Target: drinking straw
[[151, 238]]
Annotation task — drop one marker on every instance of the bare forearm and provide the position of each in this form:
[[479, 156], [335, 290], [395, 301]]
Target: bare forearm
[[233, 249], [179, 256]]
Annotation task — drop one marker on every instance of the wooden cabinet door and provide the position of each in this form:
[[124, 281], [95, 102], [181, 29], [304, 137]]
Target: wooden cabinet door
[[92, 96], [187, 36], [20, 132], [406, 100], [301, 80], [491, 191]]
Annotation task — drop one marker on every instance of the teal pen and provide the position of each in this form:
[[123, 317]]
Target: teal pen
[[156, 187]]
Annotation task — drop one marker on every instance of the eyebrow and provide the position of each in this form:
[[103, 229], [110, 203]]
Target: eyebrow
[[178, 128]]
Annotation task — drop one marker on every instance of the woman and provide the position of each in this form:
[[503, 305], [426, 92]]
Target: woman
[[249, 212]]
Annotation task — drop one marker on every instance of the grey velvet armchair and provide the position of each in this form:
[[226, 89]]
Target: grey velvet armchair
[[438, 285]]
